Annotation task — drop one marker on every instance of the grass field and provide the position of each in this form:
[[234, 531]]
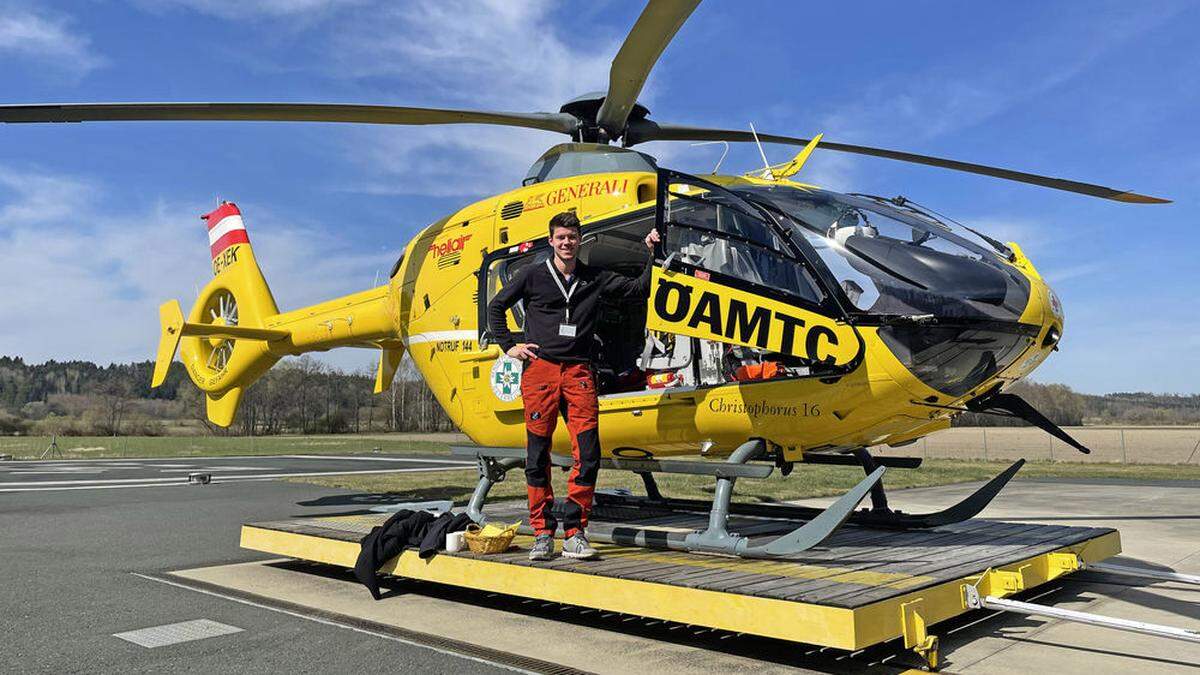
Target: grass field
[[805, 481], [98, 447]]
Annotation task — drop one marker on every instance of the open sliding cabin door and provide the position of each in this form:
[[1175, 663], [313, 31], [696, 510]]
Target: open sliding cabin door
[[731, 280]]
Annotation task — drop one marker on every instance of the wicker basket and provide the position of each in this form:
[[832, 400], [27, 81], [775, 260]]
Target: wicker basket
[[488, 544]]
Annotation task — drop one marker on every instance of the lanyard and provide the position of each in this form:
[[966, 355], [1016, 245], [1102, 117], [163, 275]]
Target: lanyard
[[566, 293]]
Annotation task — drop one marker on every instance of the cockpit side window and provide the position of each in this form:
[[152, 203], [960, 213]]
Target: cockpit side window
[[716, 232]]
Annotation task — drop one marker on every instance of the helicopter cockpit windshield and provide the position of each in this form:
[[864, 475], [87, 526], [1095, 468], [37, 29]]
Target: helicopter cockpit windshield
[[948, 306], [889, 261]]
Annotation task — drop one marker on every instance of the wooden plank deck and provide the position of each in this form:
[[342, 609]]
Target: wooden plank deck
[[855, 568]]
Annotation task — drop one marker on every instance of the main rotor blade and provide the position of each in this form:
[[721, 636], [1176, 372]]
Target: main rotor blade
[[642, 131], [279, 112], [645, 43]]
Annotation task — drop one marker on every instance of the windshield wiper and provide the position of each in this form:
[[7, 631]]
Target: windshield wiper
[[909, 205]]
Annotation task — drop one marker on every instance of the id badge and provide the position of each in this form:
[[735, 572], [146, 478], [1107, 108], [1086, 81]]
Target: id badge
[[566, 330]]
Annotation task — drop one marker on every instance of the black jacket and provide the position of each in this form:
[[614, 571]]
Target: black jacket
[[545, 307], [403, 529]]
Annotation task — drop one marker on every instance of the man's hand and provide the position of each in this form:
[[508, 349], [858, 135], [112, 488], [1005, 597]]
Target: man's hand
[[523, 351], [652, 239]]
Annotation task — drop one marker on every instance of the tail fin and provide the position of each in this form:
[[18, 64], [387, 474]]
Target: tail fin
[[224, 344], [235, 333]]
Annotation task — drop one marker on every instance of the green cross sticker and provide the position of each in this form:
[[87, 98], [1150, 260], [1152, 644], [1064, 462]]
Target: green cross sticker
[[506, 378]]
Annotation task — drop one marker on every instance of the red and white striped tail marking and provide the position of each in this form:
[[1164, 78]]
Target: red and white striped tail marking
[[225, 228]]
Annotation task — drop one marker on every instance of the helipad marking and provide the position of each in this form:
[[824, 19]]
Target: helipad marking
[[167, 481], [376, 458], [330, 622], [175, 633]]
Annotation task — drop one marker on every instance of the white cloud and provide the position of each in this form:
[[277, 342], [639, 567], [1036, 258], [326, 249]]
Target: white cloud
[[40, 198], [484, 55], [240, 9], [490, 53], [86, 279], [46, 38]]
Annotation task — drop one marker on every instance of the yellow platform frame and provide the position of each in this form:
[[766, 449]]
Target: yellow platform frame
[[905, 615]]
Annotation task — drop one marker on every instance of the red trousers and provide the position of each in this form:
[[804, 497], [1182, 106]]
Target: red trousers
[[546, 389]]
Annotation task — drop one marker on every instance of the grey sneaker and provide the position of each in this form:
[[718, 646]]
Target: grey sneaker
[[543, 547], [578, 547]]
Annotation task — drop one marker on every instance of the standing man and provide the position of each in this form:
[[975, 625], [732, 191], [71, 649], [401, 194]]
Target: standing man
[[561, 299]]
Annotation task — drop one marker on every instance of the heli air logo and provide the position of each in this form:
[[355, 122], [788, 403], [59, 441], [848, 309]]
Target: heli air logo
[[696, 307], [449, 252], [506, 378], [569, 193]]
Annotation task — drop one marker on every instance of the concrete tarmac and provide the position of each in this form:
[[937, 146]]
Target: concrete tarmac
[[69, 560], [95, 474]]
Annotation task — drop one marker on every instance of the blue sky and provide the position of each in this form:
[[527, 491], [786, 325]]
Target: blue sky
[[99, 222]]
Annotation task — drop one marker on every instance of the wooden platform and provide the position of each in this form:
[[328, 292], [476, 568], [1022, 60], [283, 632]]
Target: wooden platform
[[851, 593]]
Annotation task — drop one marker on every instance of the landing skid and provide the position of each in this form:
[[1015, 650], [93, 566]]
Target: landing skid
[[965, 509], [765, 541], [716, 538]]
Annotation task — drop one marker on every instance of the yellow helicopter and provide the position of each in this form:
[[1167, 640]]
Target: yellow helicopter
[[785, 322]]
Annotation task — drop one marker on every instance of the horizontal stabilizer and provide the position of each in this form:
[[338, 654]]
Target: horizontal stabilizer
[[233, 332]]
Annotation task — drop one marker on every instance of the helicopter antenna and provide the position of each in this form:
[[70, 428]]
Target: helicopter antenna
[[718, 166], [767, 165]]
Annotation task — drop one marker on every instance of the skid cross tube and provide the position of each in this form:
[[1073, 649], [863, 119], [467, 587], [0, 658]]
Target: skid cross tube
[[974, 600]]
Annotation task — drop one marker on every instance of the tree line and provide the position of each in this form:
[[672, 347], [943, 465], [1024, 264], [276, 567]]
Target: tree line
[[299, 395], [306, 396]]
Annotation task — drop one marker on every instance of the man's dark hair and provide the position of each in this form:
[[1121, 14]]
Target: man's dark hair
[[564, 219]]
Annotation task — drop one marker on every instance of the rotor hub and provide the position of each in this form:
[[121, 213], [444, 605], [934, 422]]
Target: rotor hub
[[586, 107]]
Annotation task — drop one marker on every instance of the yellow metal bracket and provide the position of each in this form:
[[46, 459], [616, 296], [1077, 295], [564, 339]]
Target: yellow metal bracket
[[1055, 565], [916, 633], [996, 583], [1000, 583]]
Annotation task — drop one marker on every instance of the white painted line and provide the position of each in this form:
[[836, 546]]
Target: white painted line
[[163, 481], [224, 479], [60, 472], [158, 461], [94, 481], [367, 458], [329, 622], [202, 467], [94, 487], [171, 479], [175, 633]]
